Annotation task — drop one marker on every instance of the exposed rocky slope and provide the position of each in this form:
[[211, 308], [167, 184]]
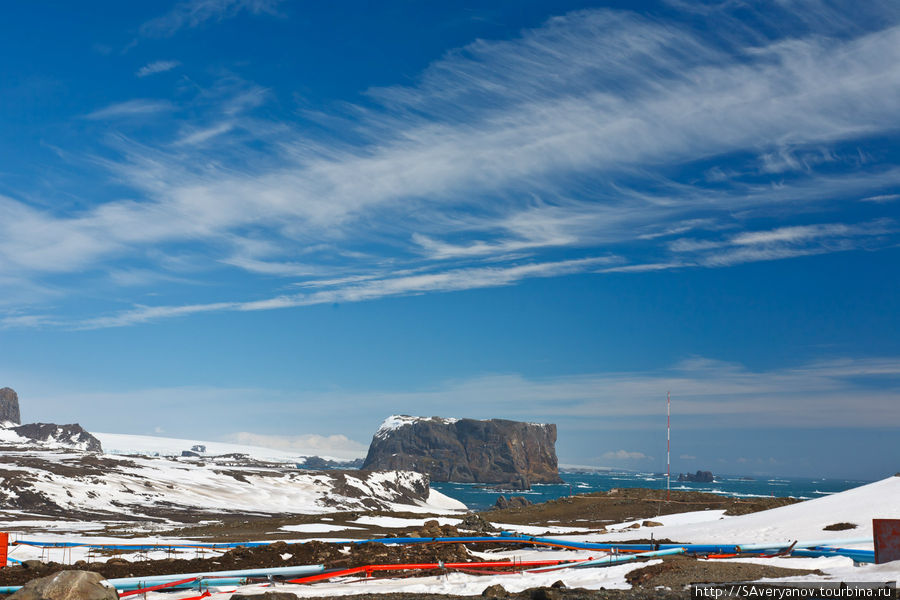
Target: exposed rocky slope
[[72, 435], [467, 450]]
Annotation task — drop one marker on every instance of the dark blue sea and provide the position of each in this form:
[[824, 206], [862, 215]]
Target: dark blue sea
[[479, 496]]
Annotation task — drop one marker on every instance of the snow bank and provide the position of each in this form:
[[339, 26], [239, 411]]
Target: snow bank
[[801, 521]]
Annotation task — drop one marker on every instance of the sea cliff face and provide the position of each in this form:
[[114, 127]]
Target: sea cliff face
[[467, 450]]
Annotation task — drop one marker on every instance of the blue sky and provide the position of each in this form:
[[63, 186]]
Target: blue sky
[[281, 222]]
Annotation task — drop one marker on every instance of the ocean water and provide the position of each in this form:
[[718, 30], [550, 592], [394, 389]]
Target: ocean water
[[479, 496]]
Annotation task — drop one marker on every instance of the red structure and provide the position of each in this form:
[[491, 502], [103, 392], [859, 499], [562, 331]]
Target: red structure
[[887, 540]]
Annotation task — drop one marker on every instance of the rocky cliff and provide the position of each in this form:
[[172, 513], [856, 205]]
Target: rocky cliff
[[467, 450], [9, 406]]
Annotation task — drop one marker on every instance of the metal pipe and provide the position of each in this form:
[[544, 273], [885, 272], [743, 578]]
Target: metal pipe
[[295, 571], [809, 544]]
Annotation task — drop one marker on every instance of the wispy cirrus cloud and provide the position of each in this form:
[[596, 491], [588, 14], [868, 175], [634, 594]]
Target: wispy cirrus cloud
[[191, 13], [159, 66], [130, 109], [599, 133], [782, 242], [706, 394], [371, 288]]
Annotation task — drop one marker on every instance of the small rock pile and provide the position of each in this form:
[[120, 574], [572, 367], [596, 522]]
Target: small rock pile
[[513, 502]]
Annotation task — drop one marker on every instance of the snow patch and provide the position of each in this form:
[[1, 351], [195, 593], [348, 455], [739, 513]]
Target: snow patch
[[395, 422]]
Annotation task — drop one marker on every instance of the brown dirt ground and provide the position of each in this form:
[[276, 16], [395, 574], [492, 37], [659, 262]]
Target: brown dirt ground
[[622, 504], [594, 510]]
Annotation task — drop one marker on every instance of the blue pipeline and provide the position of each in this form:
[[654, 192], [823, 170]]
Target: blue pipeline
[[807, 544], [201, 585], [140, 546], [615, 560], [298, 571], [689, 548], [867, 556], [211, 578], [607, 561]]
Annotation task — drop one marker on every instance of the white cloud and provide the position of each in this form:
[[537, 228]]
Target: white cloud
[[625, 455], [782, 242], [687, 457], [808, 232], [131, 108], [502, 151], [200, 136], [159, 66], [882, 198]]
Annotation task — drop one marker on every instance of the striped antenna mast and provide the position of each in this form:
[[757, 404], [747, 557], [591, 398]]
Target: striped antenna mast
[[668, 428]]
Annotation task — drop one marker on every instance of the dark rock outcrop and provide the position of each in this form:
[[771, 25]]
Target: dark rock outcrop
[[698, 477], [9, 406], [72, 435], [467, 450]]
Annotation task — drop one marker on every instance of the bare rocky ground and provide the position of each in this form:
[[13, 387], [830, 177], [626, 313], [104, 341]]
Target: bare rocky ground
[[665, 580]]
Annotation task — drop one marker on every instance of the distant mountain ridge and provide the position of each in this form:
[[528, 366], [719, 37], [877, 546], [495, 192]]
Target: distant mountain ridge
[[494, 451]]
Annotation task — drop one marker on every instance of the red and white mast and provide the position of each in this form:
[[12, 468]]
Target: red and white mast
[[668, 427]]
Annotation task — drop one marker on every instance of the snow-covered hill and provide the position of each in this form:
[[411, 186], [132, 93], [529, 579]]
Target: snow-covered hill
[[801, 521], [50, 480]]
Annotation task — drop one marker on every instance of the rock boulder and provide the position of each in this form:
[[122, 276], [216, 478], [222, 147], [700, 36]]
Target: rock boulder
[[67, 585]]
